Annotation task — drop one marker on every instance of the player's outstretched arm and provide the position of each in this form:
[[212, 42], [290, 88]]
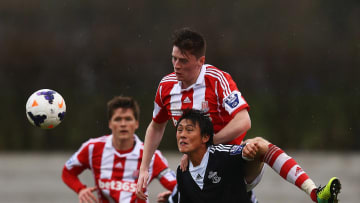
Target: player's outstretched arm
[[153, 137], [86, 195], [237, 126]]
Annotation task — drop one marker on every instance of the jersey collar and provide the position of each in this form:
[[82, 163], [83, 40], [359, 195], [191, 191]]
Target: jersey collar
[[135, 150], [200, 80]]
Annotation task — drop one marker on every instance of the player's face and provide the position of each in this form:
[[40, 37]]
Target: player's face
[[123, 123], [186, 66], [189, 139]]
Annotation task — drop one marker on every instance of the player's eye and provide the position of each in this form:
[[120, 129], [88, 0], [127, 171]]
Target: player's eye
[[183, 61], [190, 129]]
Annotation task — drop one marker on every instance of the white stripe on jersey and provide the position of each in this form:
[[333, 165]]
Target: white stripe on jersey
[[130, 165], [160, 89], [221, 84], [175, 101], [74, 161], [223, 81], [125, 196], [198, 97], [91, 149], [221, 75], [171, 77], [157, 109], [217, 99], [107, 161]]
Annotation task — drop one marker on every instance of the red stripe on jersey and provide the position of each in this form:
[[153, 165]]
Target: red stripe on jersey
[[117, 173], [300, 180], [187, 99], [208, 95], [134, 197], [118, 167], [286, 167], [159, 166]]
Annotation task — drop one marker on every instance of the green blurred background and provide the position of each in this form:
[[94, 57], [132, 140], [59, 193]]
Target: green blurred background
[[297, 63]]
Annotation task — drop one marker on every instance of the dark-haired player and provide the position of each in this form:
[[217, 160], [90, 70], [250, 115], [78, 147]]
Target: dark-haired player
[[115, 159], [197, 85]]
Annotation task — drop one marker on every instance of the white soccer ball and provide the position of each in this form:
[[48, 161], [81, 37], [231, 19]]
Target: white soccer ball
[[45, 109]]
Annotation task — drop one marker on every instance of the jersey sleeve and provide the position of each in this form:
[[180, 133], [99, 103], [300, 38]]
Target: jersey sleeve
[[230, 96], [236, 153], [160, 114], [77, 163], [162, 171]]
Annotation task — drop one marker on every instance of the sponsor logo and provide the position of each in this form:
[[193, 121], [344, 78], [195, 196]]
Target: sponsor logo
[[117, 185], [214, 177], [198, 177], [232, 100], [236, 149], [187, 100], [118, 165]]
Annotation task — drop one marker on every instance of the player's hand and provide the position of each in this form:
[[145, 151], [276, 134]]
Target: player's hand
[[250, 150], [184, 162], [86, 195], [142, 184], [163, 196]]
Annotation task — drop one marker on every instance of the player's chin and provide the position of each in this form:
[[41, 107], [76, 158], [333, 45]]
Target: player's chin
[[182, 149]]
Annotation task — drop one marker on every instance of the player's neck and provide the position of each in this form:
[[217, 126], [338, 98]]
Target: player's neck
[[197, 156], [188, 83], [123, 144]]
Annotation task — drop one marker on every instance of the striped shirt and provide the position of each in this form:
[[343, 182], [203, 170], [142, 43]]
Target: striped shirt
[[115, 173], [214, 93]]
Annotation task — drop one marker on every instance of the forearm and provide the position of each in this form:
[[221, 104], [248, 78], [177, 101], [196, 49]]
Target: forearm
[[237, 126], [71, 179], [153, 138]]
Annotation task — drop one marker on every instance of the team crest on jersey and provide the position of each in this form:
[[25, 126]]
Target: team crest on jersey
[[214, 177], [205, 106], [232, 100], [236, 149]]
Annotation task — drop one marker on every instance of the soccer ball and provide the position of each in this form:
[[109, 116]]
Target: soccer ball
[[45, 109]]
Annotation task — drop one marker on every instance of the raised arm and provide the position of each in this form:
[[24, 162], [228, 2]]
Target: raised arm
[[153, 136]]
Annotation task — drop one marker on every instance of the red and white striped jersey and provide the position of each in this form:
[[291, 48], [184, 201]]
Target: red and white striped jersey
[[214, 92], [115, 173]]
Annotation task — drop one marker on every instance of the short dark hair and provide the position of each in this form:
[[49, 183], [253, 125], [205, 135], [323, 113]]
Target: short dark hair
[[123, 102], [188, 40], [205, 124]]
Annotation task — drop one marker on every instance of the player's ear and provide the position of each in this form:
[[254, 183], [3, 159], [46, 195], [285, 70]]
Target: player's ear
[[205, 138], [109, 124], [202, 60]]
